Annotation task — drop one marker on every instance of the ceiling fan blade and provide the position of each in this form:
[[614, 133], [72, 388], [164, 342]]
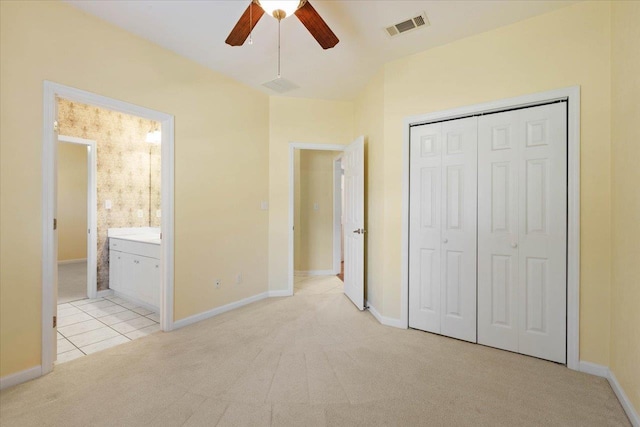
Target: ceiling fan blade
[[245, 24], [316, 26]]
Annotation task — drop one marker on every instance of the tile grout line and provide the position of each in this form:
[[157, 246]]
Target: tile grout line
[[108, 326], [70, 342]]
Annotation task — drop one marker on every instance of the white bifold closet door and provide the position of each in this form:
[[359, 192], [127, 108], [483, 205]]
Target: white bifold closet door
[[442, 251], [522, 217]]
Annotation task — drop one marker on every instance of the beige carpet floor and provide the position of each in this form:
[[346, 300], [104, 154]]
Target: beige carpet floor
[[311, 359]]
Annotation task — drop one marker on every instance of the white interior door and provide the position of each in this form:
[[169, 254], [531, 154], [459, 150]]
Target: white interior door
[[425, 231], [459, 201], [522, 212], [498, 230], [353, 161], [442, 228]]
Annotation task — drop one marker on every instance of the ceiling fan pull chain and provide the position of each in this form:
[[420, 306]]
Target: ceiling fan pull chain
[[279, 48], [251, 22]]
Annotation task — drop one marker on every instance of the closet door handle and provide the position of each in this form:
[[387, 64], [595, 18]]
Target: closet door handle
[[514, 245], [445, 240]]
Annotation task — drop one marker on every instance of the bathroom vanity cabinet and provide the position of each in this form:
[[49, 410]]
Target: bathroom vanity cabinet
[[134, 269]]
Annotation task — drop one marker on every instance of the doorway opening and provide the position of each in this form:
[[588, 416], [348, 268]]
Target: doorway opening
[[352, 212], [76, 220], [120, 264], [318, 237], [126, 188]]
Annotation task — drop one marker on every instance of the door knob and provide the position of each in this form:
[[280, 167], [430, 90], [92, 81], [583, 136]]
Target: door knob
[[445, 240], [514, 245]]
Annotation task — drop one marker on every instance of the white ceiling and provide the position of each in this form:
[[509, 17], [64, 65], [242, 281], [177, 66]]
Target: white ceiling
[[197, 30]]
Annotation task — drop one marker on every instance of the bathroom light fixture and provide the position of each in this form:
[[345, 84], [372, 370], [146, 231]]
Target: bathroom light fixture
[[154, 137]]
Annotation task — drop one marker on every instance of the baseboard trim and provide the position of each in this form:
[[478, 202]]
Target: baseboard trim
[[314, 273], [624, 400], [72, 261], [388, 321], [279, 293], [605, 372], [20, 377], [104, 293], [218, 310], [593, 369]]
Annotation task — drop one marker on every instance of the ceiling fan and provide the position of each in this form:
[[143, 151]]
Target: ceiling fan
[[280, 10]]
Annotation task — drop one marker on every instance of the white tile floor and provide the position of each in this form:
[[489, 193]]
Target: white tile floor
[[89, 325]]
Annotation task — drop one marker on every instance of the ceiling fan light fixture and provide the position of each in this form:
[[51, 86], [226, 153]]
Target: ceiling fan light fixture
[[280, 9]]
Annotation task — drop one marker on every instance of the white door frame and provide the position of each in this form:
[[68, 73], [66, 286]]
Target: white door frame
[[572, 95], [92, 201], [337, 213], [292, 148], [49, 257]]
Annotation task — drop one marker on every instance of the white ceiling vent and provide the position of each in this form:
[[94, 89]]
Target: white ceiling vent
[[410, 24], [281, 85]]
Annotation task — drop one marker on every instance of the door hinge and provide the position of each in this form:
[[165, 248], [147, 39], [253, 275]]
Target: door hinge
[[55, 321], [55, 223]]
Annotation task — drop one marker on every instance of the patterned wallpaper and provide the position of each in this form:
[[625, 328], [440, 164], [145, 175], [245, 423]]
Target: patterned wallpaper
[[128, 170]]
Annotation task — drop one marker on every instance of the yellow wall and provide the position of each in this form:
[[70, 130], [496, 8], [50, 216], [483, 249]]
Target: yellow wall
[[296, 120], [314, 231], [296, 210], [625, 153], [221, 163], [571, 46], [72, 201]]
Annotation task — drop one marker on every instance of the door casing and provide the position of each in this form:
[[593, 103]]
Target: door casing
[[572, 96], [51, 91]]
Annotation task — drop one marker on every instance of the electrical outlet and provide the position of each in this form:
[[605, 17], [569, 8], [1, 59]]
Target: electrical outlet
[[238, 278], [217, 283]]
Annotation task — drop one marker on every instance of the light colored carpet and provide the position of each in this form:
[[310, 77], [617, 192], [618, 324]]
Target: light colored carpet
[[313, 285], [72, 282], [311, 359]]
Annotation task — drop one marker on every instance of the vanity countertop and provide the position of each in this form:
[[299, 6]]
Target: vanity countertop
[[144, 238], [136, 234]]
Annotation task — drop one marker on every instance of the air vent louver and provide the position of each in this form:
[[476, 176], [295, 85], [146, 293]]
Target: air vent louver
[[408, 25]]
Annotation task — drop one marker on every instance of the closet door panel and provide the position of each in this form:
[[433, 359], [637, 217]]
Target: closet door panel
[[542, 235], [498, 230], [459, 198], [425, 227]]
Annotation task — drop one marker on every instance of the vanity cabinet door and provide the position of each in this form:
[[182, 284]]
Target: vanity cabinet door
[[115, 270], [129, 273], [145, 279]]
